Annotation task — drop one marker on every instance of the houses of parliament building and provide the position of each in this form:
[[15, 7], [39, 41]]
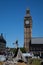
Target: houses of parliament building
[[34, 44], [31, 44]]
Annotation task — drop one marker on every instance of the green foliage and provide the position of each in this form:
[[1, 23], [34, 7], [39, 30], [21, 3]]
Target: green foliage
[[14, 50], [23, 50]]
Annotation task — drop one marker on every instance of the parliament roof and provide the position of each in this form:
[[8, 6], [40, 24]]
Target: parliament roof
[[37, 40]]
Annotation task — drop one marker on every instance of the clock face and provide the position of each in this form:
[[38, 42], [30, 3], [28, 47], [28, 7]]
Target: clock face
[[27, 22]]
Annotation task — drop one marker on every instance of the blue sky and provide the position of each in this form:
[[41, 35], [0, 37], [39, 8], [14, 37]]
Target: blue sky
[[12, 14]]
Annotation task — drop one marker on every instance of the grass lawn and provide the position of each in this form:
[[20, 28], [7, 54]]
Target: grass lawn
[[34, 62]]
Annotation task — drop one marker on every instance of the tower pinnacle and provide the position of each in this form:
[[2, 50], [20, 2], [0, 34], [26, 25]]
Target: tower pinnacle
[[27, 11]]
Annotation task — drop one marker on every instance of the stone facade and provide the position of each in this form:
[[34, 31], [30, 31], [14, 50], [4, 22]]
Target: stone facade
[[27, 29], [34, 45], [2, 43]]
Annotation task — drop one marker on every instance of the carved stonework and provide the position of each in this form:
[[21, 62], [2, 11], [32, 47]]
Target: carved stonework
[[27, 30]]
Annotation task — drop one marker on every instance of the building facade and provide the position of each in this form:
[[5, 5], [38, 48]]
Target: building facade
[[27, 30], [2, 43], [34, 45]]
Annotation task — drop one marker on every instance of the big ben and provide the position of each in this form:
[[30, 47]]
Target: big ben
[[27, 30]]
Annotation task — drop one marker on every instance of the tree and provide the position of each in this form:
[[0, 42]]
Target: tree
[[23, 50]]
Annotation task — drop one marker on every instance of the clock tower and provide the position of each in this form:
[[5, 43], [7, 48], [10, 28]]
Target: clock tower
[[27, 30]]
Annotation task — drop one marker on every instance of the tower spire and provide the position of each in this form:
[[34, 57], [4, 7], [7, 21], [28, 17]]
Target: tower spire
[[27, 11]]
